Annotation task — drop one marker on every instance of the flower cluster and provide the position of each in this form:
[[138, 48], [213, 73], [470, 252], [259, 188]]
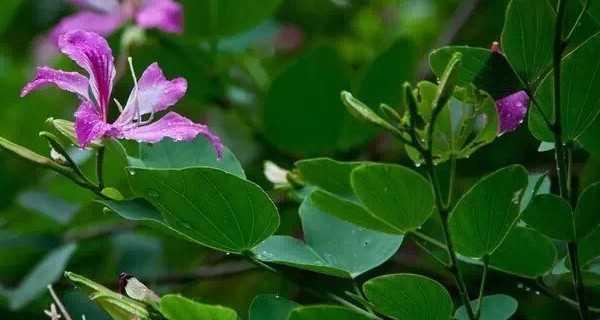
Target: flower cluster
[[152, 93]]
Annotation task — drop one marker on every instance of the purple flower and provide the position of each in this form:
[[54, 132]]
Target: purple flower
[[105, 16], [512, 110], [152, 93]]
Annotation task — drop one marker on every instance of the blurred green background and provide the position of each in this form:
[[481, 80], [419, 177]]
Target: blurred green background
[[268, 83]]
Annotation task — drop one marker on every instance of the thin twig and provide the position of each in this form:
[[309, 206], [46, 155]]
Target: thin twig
[[61, 307]]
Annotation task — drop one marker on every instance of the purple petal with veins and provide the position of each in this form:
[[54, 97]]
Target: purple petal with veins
[[173, 126], [69, 81], [91, 52], [166, 15], [512, 110], [89, 124], [154, 93]]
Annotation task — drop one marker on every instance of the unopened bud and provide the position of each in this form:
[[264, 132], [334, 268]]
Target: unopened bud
[[276, 174]]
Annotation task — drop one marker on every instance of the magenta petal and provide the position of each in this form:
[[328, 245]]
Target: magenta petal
[[173, 126], [91, 52], [512, 110], [154, 93], [103, 23], [166, 15], [69, 81], [89, 125], [99, 5]]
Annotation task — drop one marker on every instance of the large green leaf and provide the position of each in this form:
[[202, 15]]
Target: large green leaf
[[325, 312], [524, 252], [331, 246], [175, 307], [169, 154], [587, 213], [487, 212], [303, 112], [528, 37], [580, 101], [351, 211], [394, 194], [495, 307], [215, 208], [225, 17], [46, 272], [271, 307], [588, 248], [328, 174], [409, 296], [551, 215]]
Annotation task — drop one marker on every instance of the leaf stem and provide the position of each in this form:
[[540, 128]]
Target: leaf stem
[[100, 167], [443, 210], [562, 153], [486, 263]]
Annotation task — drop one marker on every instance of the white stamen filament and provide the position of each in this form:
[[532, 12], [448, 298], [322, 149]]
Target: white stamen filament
[[137, 114]]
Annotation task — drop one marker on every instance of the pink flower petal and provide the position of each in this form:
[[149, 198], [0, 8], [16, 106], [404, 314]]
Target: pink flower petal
[[103, 23], [512, 110], [69, 81], [166, 15], [155, 93], [89, 125], [99, 5], [91, 52], [173, 126]]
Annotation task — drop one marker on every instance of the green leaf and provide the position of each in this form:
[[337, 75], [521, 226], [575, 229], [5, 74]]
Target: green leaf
[[528, 37], [587, 217], [303, 112], [169, 154], [362, 112], [330, 246], [495, 307], [328, 174], [141, 210], [325, 312], [523, 242], [215, 208], [175, 307], [588, 248], [409, 296], [539, 183], [350, 211], [46, 272], [271, 307], [394, 194], [225, 17], [489, 72], [580, 101], [487, 212], [551, 215], [119, 307]]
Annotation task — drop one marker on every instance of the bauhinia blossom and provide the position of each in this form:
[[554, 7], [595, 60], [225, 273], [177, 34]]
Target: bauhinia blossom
[[106, 16], [512, 109], [152, 93]]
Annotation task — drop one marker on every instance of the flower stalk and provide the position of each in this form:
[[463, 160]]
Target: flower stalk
[[562, 152]]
